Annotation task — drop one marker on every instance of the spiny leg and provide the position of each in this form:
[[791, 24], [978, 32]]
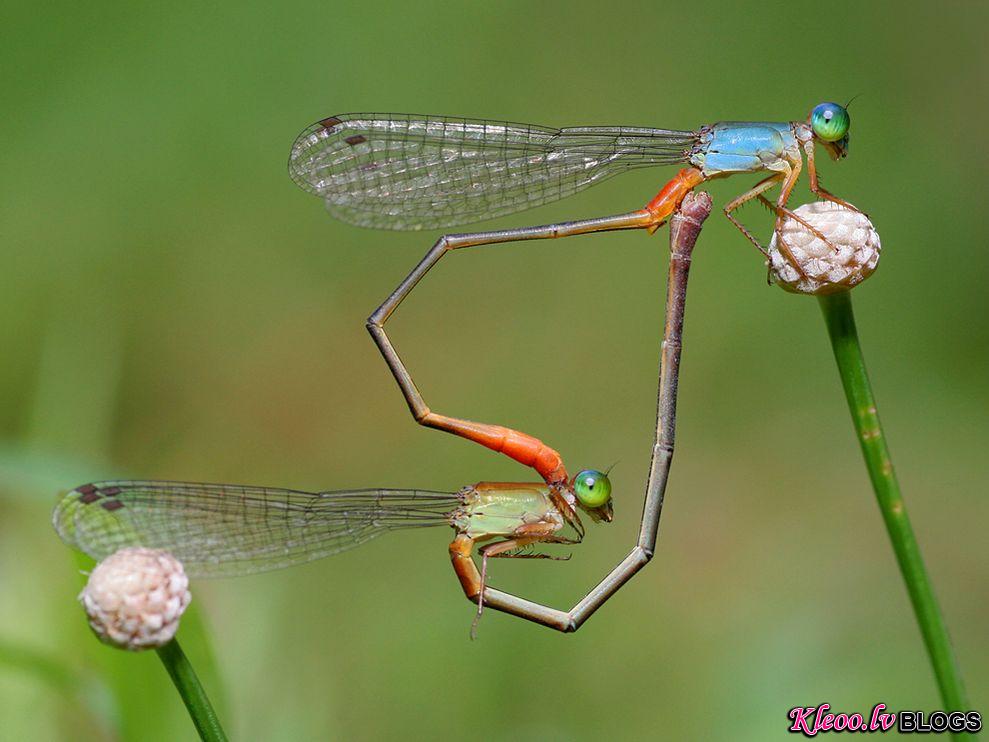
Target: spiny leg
[[461, 551], [501, 548], [779, 208], [535, 555], [815, 185], [786, 177], [520, 446], [534, 533], [783, 211], [520, 553], [789, 181], [757, 190]]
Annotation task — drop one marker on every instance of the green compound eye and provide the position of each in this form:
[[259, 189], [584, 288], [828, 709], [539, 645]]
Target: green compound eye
[[593, 488], [829, 122]]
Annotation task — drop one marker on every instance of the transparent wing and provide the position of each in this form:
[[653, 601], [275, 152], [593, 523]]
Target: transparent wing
[[412, 171], [224, 530]]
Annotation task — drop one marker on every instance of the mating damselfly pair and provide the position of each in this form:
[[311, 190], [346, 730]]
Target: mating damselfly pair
[[426, 172]]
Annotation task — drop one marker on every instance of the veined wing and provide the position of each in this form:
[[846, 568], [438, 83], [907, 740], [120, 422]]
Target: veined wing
[[412, 171], [225, 530]]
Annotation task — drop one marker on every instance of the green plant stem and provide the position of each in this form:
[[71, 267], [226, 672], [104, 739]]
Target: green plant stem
[[840, 320], [195, 699]]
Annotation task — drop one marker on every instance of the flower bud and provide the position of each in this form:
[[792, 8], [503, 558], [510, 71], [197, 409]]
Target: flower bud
[[814, 266], [134, 598]]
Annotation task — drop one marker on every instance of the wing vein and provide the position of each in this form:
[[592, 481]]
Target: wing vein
[[412, 171], [218, 529]]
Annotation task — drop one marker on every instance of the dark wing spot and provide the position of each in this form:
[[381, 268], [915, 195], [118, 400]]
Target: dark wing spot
[[88, 497], [111, 505], [355, 140], [110, 491], [330, 122]]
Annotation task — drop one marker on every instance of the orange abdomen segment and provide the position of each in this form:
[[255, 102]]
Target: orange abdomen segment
[[523, 448], [668, 199]]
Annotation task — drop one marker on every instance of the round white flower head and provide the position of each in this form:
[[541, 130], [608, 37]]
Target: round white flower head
[[134, 598], [816, 267]]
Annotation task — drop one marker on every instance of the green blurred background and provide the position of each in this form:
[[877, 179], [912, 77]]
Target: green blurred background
[[171, 306]]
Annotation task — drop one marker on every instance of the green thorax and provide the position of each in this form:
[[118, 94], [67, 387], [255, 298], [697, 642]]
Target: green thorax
[[500, 508]]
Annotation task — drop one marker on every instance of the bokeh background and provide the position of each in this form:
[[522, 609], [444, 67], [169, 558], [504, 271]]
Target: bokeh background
[[171, 306]]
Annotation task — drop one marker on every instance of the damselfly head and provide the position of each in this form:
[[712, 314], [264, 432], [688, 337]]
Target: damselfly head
[[592, 489], [830, 123]]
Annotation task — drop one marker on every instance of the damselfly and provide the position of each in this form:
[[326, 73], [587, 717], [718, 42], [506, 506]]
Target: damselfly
[[230, 530], [410, 171]]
